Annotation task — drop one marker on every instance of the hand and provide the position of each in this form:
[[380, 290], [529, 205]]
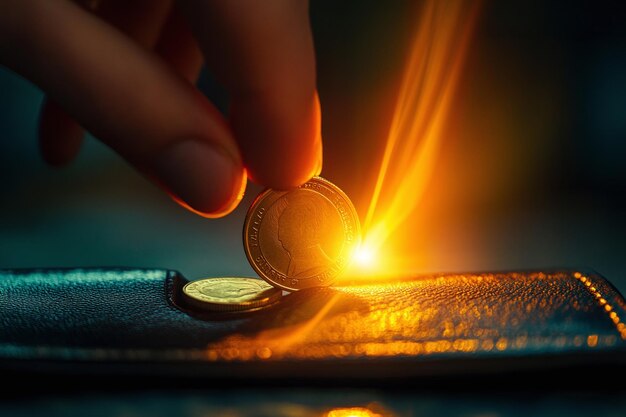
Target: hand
[[125, 72]]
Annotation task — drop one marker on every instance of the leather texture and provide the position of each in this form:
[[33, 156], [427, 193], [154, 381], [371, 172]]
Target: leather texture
[[135, 321]]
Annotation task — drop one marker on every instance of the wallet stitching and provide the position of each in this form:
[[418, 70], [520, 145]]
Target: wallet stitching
[[591, 287]]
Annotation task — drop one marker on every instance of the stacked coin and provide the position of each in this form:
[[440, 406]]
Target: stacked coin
[[230, 294], [294, 240]]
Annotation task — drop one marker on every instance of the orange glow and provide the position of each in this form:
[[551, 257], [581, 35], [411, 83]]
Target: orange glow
[[351, 412], [283, 340], [272, 342], [416, 132], [592, 340], [403, 318], [364, 257]]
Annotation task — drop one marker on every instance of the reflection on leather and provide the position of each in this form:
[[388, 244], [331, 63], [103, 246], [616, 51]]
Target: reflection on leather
[[473, 313], [101, 315], [303, 306]]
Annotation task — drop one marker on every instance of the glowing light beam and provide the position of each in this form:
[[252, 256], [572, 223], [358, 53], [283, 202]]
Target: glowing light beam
[[416, 132]]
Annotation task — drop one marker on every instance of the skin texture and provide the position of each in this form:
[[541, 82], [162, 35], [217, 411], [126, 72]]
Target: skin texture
[[125, 71]]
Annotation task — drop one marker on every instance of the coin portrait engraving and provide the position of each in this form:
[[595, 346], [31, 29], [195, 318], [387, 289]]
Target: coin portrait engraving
[[301, 238], [306, 232]]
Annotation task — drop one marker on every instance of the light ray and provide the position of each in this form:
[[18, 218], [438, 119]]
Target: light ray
[[426, 94]]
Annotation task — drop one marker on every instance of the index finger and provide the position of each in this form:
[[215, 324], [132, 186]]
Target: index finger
[[262, 51]]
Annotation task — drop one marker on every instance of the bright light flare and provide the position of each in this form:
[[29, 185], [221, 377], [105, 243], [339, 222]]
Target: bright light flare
[[417, 128], [365, 257]]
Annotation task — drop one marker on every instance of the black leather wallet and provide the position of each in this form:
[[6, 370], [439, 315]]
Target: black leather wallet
[[134, 321]]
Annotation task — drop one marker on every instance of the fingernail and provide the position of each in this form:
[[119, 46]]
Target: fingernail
[[200, 176]]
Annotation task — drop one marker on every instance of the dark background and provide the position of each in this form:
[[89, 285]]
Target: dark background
[[535, 172]]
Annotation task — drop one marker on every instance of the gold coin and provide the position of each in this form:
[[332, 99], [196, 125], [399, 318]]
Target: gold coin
[[301, 238], [230, 294]]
